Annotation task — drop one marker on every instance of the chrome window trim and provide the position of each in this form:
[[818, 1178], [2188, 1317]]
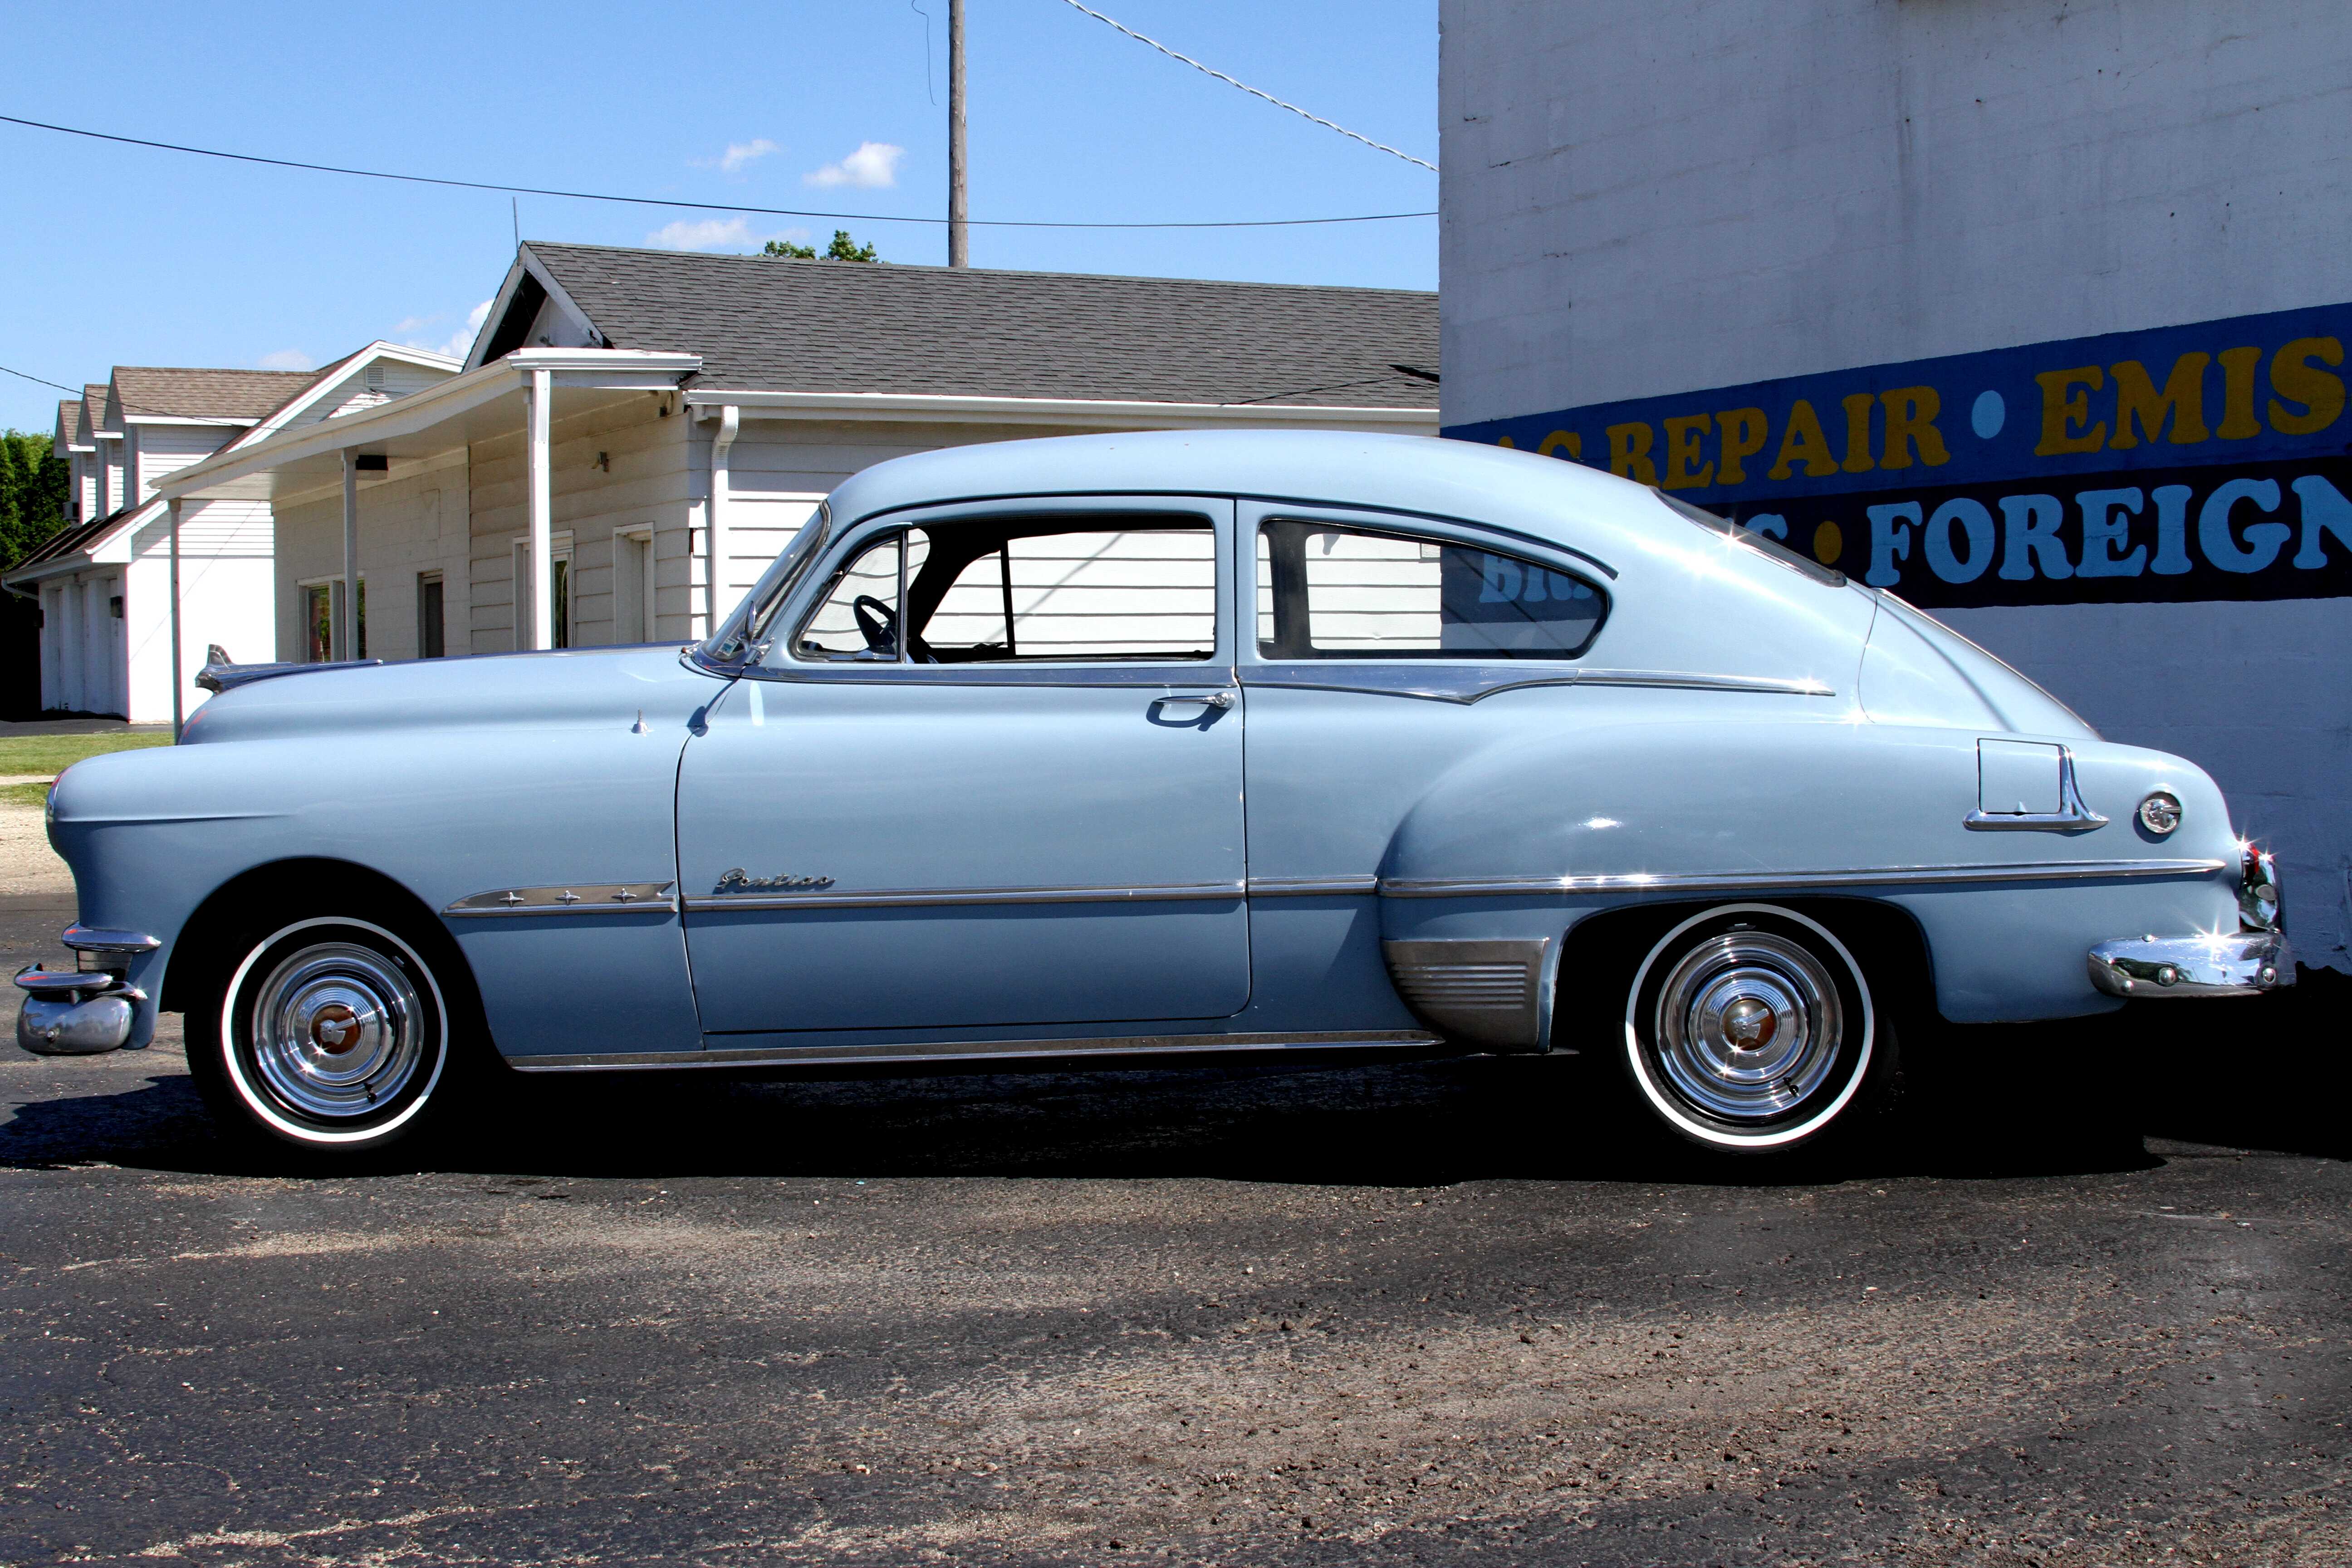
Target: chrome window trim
[[919, 898], [1744, 882], [1192, 673], [579, 899], [1437, 680], [969, 1050]]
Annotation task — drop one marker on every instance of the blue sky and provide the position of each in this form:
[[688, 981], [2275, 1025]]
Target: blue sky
[[145, 257]]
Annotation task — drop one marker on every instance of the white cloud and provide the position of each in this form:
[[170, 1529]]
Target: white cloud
[[287, 358], [739, 153], [717, 234], [457, 344], [874, 166]]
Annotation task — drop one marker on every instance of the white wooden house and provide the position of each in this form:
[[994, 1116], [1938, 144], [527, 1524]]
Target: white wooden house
[[106, 582], [654, 426]]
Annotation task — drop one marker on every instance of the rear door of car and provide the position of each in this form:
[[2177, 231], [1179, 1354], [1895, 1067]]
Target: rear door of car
[[1041, 828]]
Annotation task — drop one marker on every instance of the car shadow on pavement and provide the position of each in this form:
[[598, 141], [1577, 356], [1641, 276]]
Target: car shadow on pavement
[[1983, 1103]]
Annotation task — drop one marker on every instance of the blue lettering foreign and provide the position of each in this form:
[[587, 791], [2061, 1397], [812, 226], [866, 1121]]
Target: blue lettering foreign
[[1500, 582], [1770, 524], [2172, 530], [2103, 531], [2324, 511], [1977, 523], [2262, 539], [2029, 527], [1890, 541]]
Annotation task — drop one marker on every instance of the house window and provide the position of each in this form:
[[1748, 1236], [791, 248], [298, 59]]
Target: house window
[[319, 601], [318, 623], [632, 586], [431, 630], [114, 607], [559, 585]]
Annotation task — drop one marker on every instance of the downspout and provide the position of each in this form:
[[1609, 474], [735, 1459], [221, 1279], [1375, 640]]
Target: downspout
[[542, 524], [730, 423], [178, 716], [345, 647]]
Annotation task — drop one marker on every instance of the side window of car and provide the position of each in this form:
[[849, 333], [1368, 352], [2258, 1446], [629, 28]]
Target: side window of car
[[1058, 588], [1326, 592], [859, 616]]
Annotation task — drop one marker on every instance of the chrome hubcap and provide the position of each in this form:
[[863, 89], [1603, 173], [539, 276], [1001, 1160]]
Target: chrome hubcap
[[338, 1030], [1748, 1025]]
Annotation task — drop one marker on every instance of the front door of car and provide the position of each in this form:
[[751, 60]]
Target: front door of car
[[987, 776]]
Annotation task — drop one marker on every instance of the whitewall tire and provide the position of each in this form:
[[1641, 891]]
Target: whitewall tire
[[1751, 1028]]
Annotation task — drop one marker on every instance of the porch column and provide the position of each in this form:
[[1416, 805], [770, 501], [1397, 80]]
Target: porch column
[[347, 618], [542, 527], [178, 682], [722, 478]]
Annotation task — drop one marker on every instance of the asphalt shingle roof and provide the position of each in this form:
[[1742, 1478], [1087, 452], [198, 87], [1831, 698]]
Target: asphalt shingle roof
[[199, 394], [93, 409], [773, 325], [69, 418]]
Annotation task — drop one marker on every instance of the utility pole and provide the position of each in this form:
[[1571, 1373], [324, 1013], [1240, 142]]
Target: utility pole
[[959, 213]]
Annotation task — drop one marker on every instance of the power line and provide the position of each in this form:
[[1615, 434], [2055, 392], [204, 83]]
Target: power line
[[700, 206], [1253, 92]]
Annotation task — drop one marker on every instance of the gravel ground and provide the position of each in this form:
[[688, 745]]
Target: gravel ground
[[29, 869], [1424, 1313]]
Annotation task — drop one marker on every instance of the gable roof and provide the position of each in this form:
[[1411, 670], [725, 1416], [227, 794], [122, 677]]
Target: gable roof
[[93, 414], [69, 424], [762, 323], [190, 392]]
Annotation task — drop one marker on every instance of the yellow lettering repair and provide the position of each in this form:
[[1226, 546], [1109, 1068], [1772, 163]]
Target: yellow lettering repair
[[1629, 453], [1744, 430], [1685, 435], [1911, 422], [1803, 442]]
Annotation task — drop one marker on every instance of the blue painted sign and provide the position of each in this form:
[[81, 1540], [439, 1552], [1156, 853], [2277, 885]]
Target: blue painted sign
[[2182, 463]]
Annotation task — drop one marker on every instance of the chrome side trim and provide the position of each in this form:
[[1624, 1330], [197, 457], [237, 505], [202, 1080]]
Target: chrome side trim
[[2243, 964], [1312, 887], [1470, 682], [902, 898], [969, 1050], [580, 898], [1485, 993], [2072, 815], [1750, 881]]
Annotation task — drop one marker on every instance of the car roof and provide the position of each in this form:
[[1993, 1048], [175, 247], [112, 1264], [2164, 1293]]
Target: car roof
[[1546, 498]]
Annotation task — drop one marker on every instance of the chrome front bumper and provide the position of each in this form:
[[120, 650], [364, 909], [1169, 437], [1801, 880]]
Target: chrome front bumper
[[2243, 964], [82, 1012]]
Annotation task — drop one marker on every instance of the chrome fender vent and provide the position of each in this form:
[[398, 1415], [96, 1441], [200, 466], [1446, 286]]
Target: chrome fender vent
[[1484, 993]]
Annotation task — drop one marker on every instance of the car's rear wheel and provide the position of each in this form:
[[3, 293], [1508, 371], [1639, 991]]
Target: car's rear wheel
[[1752, 1028], [330, 1033]]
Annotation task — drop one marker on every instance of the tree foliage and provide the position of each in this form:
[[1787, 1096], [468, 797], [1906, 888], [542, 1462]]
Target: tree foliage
[[32, 494], [843, 248]]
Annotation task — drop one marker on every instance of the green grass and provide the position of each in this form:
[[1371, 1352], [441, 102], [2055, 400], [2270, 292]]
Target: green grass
[[34, 795], [52, 755]]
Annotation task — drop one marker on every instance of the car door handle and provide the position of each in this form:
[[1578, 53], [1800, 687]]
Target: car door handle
[[1218, 700]]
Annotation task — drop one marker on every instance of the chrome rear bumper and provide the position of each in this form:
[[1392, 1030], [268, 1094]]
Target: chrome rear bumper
[[2242, 964]]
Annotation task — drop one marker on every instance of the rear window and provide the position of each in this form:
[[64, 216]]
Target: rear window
[[1327, 592]]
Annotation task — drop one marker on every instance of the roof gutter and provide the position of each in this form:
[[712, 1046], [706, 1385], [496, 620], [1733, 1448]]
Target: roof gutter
[[605, 368], [1140, 415]]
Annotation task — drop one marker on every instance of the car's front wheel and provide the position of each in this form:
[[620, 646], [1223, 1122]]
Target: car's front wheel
[[1752, 1028], [330, 1033]]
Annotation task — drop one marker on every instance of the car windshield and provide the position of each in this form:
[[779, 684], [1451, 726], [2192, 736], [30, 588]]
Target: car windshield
[[1763, 544], [749, 624]]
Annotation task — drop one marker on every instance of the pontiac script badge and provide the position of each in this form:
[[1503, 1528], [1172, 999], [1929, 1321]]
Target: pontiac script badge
[[739, 881]]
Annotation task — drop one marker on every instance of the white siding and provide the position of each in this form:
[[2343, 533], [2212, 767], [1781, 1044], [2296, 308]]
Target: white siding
[[166, 449]]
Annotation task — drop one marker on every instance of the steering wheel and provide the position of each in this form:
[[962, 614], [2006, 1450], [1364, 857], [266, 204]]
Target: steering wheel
[[877, 622]]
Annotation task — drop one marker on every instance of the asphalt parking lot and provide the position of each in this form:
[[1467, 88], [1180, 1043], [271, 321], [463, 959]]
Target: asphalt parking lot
[[2089, 1306]]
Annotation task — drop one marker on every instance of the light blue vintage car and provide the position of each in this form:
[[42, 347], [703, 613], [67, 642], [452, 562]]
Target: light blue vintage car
[[1113, 747]]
